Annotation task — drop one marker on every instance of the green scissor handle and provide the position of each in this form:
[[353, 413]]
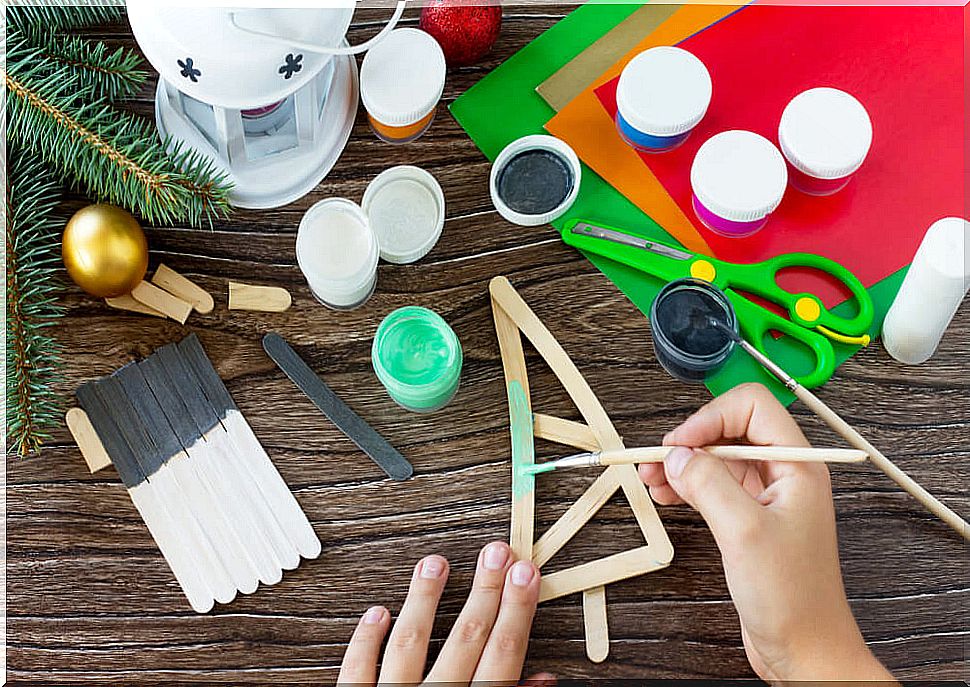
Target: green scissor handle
[[756, 323], [805, 309]]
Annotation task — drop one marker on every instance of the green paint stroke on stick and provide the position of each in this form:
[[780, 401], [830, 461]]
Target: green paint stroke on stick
[[523, 441]]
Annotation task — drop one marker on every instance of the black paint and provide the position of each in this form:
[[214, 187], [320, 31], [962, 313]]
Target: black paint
[[143, 402], [212, 385], [132, 428], [102, 419], [688, 341], [163, 386], [535, 182], [369, 441]]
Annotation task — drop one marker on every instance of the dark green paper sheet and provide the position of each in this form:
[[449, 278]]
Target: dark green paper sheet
[[504, 106]]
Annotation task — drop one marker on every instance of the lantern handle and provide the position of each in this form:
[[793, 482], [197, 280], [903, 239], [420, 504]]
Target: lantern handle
[[323, 49]]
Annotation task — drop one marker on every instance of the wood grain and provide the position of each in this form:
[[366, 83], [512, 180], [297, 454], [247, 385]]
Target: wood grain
[[90, 598]]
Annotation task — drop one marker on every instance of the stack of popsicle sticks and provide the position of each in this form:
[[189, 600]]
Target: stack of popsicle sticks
[[513, 317], [221, 514]]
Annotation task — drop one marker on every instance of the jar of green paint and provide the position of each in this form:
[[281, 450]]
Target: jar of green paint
[[418, 358]]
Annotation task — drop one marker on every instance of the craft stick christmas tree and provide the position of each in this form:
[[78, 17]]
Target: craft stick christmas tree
[[513, 318]]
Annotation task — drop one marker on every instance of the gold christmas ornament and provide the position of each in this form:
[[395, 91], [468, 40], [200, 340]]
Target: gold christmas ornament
[[105, 250]]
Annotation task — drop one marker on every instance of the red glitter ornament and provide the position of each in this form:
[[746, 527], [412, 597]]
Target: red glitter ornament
[[465, 29]]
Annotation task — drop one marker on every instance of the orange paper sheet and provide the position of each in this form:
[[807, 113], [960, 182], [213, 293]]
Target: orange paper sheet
[[583, 123]]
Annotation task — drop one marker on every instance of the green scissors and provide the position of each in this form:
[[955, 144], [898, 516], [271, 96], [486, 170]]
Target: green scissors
[[811, 323]]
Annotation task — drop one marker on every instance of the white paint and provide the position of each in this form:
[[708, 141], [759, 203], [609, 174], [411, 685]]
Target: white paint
[[337, 252], [936, 283]]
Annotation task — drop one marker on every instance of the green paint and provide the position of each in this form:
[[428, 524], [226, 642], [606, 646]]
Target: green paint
[[504, 106], [523, 441], [418, 358], [538, 468]]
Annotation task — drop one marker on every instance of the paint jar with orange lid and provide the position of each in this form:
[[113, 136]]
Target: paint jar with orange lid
[[401, 81]]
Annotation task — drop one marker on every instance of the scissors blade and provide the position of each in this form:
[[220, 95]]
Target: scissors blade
[[587, 229]]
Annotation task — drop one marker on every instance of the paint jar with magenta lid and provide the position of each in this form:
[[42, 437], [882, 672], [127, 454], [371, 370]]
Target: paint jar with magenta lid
[[738, 179], [662, 94], [825, 135], [688, 345], [401, 81], [418, 359]]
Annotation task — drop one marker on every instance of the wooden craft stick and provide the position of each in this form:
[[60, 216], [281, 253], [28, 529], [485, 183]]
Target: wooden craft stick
[[129, 304], [790, 454], [162, 301], [183, 288], [86, 438], [911, 486], [591, 577], [580, 578], [258, 298], [596, 624], [566, 432]]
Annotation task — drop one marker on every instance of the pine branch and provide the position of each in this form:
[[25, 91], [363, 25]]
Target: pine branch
[[32, 259], [24, 14], [113, 154], [98, 70]]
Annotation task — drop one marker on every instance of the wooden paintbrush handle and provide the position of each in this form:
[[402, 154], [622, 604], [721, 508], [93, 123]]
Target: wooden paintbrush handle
[[793, 454], [846, 431]]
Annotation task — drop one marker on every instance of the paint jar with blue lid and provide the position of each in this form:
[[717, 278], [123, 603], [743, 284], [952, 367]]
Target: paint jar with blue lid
[[687, 344], [662, 94], [418, 359], [738, 178]]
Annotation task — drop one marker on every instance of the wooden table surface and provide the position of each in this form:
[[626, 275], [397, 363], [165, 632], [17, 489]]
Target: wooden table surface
[[89, 595]]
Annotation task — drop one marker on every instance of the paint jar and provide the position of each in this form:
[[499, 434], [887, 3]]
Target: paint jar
[[401, 81], [825, 135], [687, 344], [417, 358], [738, 179], [662, 94], [535, 180], [339, 242], [337, 252]]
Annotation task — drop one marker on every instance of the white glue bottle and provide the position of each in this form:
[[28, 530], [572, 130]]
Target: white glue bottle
[[936, 282]]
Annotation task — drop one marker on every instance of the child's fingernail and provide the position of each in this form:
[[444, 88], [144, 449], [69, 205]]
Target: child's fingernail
[[495, 556], [432, 568], [374, 615], [522, 573], [676, 461]]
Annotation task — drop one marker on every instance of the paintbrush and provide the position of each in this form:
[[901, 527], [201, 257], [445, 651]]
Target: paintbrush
[[656, 454], [849, 433]]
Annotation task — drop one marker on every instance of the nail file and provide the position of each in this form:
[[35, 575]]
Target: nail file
[[254, 459], [369, 441]]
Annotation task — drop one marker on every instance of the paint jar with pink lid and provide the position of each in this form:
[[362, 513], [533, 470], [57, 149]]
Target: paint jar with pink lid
[[825, 134], [738, 179]]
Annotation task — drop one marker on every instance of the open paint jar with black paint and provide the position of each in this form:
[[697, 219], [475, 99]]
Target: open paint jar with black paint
[[691, 320], [535, 180]]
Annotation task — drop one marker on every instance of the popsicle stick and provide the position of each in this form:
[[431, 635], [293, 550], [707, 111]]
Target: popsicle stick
[[566, 432], [790, 454], [596, 624], [162, 301], [128, 303], [510, 348], [911, 486], [258, 298], [604, 571], [86, 438], [183, 288]]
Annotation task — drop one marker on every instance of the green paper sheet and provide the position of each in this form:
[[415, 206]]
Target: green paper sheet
[[504, 106]]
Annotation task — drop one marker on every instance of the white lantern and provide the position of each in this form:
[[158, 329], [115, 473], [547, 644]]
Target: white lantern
[[270, 95]]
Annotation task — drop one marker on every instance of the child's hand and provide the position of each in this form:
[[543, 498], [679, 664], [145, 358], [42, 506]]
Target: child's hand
[[774, 523], [486, 645]]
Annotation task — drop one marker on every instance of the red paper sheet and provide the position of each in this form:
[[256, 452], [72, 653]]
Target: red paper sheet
[[905, 64]]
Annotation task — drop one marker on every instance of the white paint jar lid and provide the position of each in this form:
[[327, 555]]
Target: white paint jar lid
[[664, 91], [406, 210], [825, 133], [402, 77], [541, 142], [325, 232], [739, 175]]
